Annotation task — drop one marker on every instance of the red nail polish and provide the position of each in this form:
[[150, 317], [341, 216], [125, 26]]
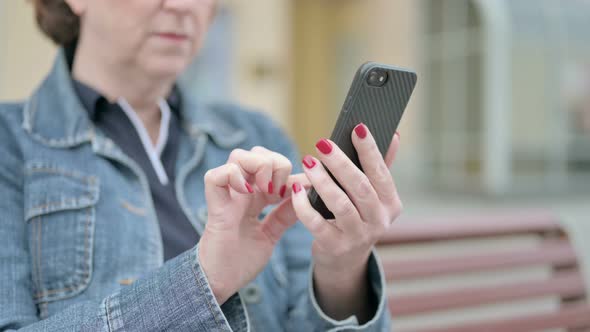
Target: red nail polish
[[249, 187], [296, 187], [270, 188], [324, 146], [361, 130], [308, 162], [282, 191]]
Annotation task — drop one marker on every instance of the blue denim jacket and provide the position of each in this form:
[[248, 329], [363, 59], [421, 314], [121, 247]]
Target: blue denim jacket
[[81, 248]]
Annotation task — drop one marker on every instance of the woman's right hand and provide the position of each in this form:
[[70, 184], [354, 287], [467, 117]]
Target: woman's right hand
[[236, 244]]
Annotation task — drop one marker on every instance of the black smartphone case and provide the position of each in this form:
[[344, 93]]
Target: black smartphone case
[[379, 108]]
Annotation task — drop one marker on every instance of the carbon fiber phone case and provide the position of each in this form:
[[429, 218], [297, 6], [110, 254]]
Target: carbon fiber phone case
[[379, 108]]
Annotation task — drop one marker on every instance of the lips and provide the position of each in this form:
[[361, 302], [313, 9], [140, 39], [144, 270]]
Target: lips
[[172, 36]]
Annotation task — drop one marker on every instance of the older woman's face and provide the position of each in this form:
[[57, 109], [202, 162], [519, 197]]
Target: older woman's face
[[158, 36]]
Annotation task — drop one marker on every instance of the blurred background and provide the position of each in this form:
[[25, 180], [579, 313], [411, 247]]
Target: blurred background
[[500, 118]]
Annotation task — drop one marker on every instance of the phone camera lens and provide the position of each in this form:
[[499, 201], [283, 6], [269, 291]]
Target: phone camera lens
[[377, 77]]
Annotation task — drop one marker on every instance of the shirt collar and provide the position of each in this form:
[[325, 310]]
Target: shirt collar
[[55, 116], [94, 102]]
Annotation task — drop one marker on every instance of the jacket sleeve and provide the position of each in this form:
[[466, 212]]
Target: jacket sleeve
[[305, 314], [174, 297]]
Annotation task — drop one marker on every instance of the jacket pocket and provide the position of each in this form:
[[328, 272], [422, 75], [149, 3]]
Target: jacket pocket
[[60, 215]]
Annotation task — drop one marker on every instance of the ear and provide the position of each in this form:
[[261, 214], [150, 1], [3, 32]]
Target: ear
[[77, 6]]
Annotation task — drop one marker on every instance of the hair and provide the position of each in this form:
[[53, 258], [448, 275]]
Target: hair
[[57, 21]]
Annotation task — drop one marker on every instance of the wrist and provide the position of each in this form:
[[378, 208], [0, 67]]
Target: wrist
[[217, 286], [341, 294], [340, 279]]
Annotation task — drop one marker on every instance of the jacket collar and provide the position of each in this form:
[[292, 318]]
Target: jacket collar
[[54, 115]]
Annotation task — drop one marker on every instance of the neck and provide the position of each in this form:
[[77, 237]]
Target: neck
[[114, 80]]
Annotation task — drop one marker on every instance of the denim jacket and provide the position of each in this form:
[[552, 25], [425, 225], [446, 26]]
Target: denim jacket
[[80, 242]]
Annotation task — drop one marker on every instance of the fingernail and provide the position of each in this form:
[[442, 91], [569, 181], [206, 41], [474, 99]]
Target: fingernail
[[361, 130], [282, 191], [308, 162], [398, 135], [270, 188], [296, 187], [324, 146], [249, 187]]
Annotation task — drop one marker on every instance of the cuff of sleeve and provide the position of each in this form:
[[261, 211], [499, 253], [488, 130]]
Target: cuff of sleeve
[[379, 322], [175, 297]]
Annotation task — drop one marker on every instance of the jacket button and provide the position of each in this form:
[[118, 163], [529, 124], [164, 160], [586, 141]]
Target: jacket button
[[126, 282], [252, 293]]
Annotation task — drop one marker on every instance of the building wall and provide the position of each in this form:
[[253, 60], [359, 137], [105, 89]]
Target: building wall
[[25, 55]]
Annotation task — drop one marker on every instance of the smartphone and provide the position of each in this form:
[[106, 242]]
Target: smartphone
[[377, 97]]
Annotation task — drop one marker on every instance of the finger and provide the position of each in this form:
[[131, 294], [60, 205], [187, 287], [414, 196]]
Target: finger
[[392, 151], [321, 229], [336, 200], [279, 220], [287, 189], [254, 166], [281, 168], [373, 164], [219, 180], [351, 178]]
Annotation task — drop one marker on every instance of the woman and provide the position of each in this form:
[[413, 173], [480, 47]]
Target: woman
[[127, 206]]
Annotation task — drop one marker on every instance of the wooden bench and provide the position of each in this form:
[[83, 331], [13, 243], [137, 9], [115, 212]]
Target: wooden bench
[[548, 246]]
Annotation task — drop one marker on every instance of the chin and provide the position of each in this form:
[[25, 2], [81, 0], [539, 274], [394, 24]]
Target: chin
[[164, 67]]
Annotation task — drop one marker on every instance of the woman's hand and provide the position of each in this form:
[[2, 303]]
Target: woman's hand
[[236, 245], [364, 208]]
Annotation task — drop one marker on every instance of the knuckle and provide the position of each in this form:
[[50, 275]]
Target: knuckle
[[325, 181], [284, 162], [374, 149], [382, 174], [389, 194], [258, 148], [397, 209], [400, 205], [383, 222], [316, 224], [348, 167], [284, 170], [209, 175], [344, 207], [236, 154], [364, 187], [379, 233], [233, 168]]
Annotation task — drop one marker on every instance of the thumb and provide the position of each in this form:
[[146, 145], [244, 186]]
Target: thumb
[[279, 220]]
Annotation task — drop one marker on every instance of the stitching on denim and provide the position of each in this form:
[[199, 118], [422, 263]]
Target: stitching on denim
[[44, 293], [85, 274], [132, 208], [192, 264], [87, 245], [63, 142], [38, 261], [36, 167], [107, 307], [72, 203], [37, 228], [90, 181]]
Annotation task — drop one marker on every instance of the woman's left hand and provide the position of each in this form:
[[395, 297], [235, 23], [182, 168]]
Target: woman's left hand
[[364, 208]]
